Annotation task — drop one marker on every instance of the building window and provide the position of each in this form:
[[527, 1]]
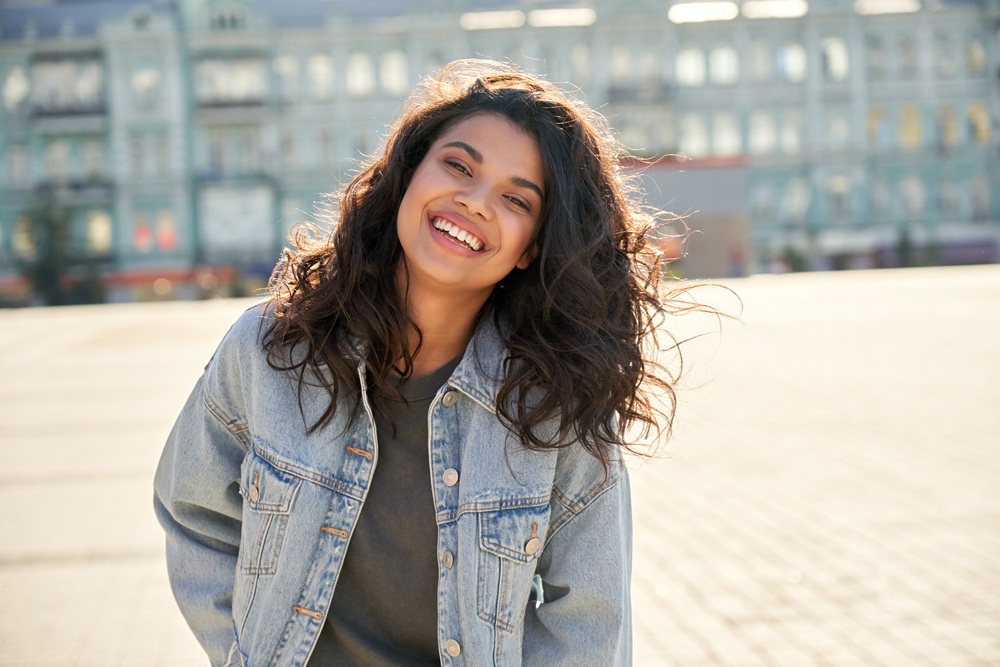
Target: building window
[[948, 198], [876, 58], [694, 135], [99, 232], [22, 241], [795, 201], [838, 126], [979, 123], [67, 85], [236, 81], [947, 126], [393, 73], [321, 76], [691, 67], [762, 134], [162, 144], [762, 204], [975, 57], [287, 70], [621, 66], [93, 159], [980, 198], [910, 128], [791, 131], [724, 66], [761, 60], [18, 165], [218, 158], [15, 88], [248, 148], [907, 58], [881, 199], [137, 155], [836, 65], [142, 235], [166, 231], [360, 75], [792, 62], [145, 83], [877, 128], [726, 139], [913, 196], [57, 161], [944, 60], [839, 189]]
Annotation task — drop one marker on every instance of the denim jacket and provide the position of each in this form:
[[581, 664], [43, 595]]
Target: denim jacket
[[258, 515]]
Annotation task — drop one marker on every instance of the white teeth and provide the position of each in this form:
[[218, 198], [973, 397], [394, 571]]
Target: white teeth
[[457, 233]]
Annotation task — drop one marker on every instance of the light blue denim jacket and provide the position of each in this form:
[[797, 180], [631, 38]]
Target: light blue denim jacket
[[259, 513]]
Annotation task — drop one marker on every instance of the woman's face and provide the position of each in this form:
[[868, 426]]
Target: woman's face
[[471, 210]]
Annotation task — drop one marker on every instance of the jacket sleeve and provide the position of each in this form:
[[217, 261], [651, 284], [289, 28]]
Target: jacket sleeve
[[197, 501], [586, 568]]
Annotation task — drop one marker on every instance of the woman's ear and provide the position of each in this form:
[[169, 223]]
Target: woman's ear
[[528, 257]]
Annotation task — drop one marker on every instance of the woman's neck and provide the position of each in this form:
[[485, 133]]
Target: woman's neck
[[446, 322]]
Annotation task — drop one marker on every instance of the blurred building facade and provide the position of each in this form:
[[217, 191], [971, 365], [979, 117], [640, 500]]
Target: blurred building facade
[[181, 140]]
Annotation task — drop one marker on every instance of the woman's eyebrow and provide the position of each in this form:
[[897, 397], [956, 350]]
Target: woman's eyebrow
[[478, 158], [473, 153], [525, 183]]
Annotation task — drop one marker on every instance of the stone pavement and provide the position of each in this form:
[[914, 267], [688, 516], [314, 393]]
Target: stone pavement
[[832, 496]]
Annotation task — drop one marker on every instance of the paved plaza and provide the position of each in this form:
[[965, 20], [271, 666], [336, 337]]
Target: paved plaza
[[831, 495]]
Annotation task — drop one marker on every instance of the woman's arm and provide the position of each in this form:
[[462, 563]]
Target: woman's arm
[[197, 502], [586, 568]]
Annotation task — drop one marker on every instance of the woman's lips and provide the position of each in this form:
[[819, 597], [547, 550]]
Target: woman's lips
[[458, 235]]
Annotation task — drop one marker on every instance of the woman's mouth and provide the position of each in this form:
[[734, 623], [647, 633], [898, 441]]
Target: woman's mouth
[[457, 234]]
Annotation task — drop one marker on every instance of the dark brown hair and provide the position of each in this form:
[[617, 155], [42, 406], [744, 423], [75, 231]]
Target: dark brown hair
[[574, 322]]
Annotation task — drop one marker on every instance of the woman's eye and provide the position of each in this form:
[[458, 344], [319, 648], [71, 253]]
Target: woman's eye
[[458, 166], [519, 203]]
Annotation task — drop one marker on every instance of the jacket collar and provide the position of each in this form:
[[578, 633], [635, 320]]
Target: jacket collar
[[479, 375], [481, 372]]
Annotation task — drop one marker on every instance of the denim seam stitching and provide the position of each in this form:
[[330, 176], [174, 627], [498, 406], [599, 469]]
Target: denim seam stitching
[[555, 527], [304, 473], [237, 427]]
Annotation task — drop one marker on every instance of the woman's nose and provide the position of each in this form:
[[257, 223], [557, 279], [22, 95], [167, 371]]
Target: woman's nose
[[475, 199]]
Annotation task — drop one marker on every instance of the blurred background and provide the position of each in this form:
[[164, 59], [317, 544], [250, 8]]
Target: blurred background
[[162, 150], [832, 497]]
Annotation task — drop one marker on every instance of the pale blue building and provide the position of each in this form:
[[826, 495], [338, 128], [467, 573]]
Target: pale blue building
[[185, 138]]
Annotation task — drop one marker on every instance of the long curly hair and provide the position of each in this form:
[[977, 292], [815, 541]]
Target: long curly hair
[[576, 322]]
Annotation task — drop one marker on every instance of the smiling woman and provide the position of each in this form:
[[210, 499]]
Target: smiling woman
[[470, 214], [427, 419]]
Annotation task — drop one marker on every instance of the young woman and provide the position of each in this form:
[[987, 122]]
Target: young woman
[[411, 453]]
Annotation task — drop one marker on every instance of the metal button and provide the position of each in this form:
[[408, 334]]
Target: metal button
[[450, 398], [533, 545], [448, 559], [453, 648], [254, 494], [450, 477]]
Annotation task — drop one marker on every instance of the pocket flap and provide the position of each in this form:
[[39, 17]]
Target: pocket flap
[[265, 488], [517, 534]]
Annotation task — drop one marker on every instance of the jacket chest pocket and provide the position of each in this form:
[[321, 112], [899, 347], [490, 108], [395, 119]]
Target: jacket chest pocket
[[510, 543], [268, 494]]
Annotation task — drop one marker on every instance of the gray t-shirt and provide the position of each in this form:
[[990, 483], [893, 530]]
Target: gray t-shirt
[[384, 611]]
